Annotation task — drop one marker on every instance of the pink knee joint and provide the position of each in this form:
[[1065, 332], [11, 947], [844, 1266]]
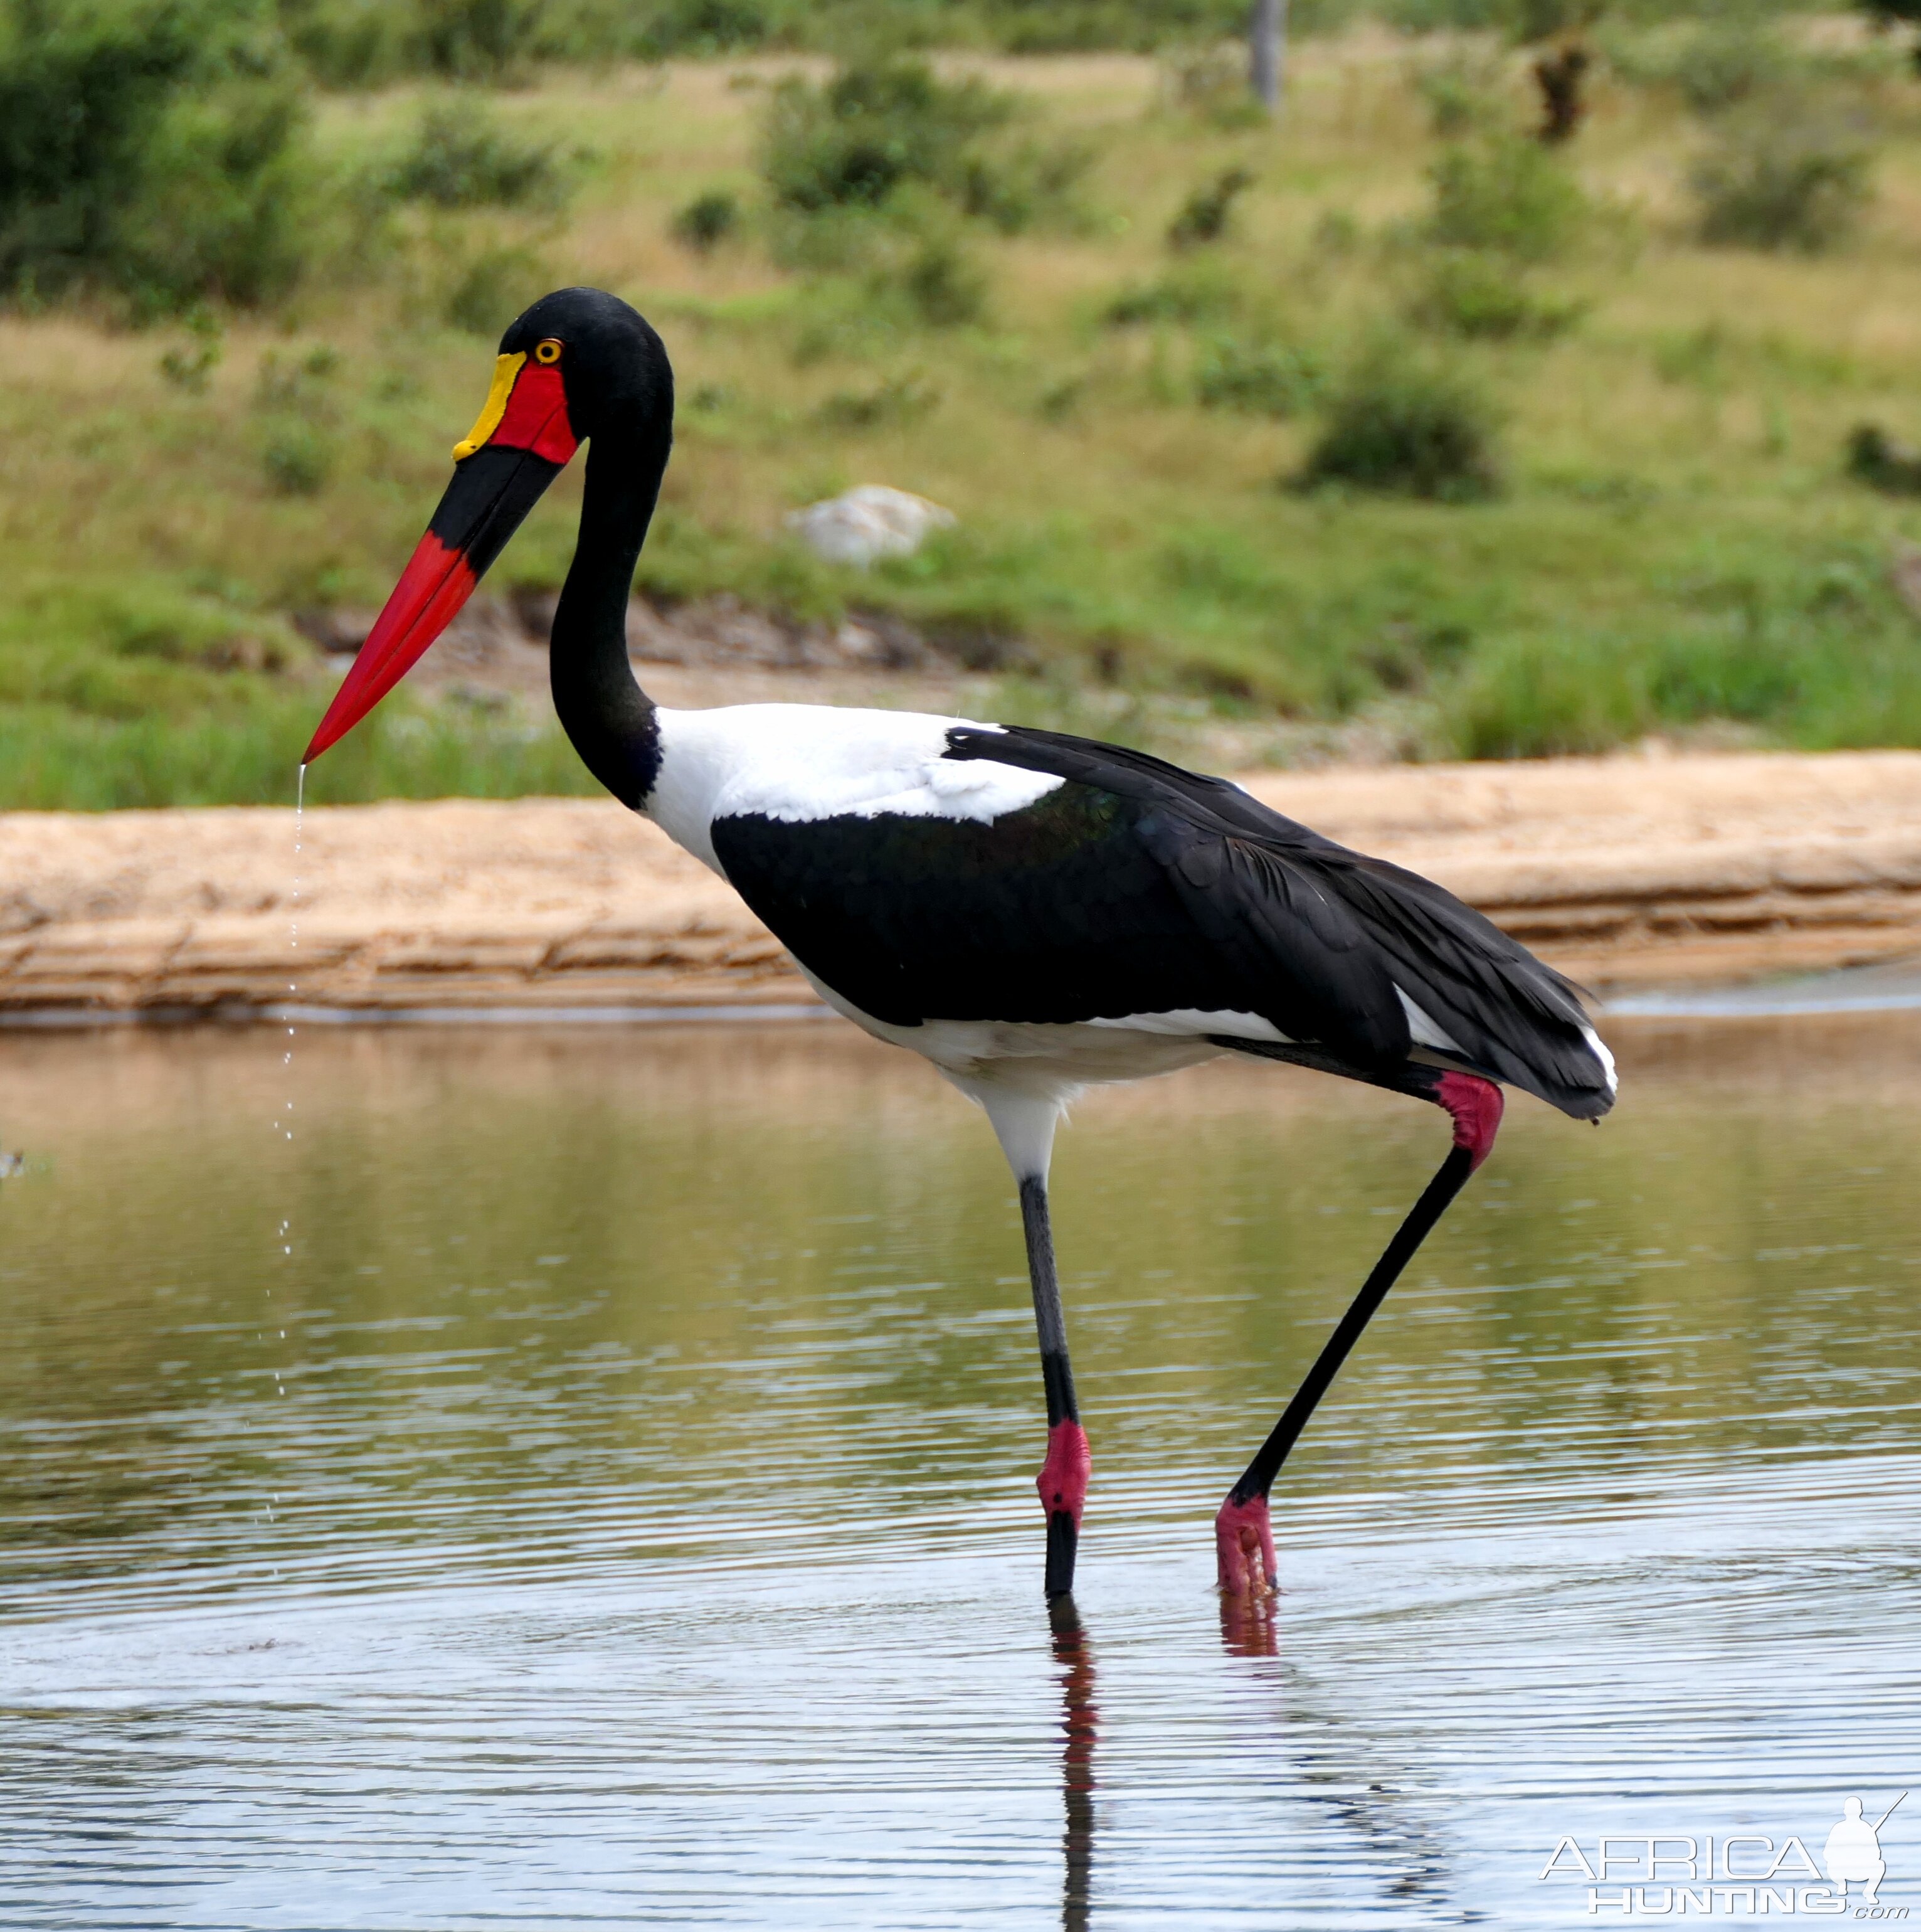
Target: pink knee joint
[[1476, 1105], [1063, 1481]]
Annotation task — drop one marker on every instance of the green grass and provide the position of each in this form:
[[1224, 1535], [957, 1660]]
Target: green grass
[[1675, 547]]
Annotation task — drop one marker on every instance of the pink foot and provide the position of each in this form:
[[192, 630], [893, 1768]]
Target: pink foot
[[1063, 1481], [1244, 1548]]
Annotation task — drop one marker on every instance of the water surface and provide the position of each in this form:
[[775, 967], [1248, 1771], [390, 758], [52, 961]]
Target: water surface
[[611, 1498]]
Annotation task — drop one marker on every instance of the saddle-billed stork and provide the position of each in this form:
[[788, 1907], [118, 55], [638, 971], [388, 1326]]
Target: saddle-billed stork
[[1034, 913]]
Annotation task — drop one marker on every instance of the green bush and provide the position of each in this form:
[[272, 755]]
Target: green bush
[[1019, 184], [1508, 194], [686, 27], [296, 414], [1545, 699], [157, 149], [902, 399], [1204, 215], [366, 42], [1256, 377], [1876, 459], [348, 42], [1462, 94], [877, 130], [1721, 63], [707, 220], [1404, 426], [493, 288], [477, 39], [947, 287], [461, 157], [1481, 297], [1203, 293], [1210, 82], [297, 457], [1782, 186], [1892, 13], [188, 367], [872, 128]]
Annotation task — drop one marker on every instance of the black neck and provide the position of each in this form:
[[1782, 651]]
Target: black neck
[[602, 709]]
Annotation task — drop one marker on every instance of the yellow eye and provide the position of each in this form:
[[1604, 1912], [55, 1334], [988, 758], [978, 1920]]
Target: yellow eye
[[547, 352]]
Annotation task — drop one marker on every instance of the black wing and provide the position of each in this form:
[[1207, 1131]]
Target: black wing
[[1137, 887]]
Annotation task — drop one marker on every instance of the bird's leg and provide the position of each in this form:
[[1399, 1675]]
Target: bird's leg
[[1243, 1537], [1062, 1482]]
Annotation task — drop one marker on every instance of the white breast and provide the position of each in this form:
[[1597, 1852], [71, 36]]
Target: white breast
[[799, 762]]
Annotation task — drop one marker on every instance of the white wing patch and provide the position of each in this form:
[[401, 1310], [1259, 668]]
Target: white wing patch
[[1425, 1029], [802, 762], [1601, 1053], [1194, 1021]]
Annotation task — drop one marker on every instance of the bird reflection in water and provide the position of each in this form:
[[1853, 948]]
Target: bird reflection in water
[[1080, 1723], [1248, 1625], [1367, 1798]]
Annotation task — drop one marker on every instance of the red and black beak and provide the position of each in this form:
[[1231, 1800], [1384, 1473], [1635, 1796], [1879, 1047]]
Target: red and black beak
[[522, 442]]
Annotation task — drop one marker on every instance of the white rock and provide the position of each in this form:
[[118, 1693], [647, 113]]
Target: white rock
[[869, 522]]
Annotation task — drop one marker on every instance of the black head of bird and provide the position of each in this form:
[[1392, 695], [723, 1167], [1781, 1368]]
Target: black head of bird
[[579, 366]]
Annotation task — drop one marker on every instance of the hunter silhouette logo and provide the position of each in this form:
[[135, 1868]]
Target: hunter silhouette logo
[[1852, 1853]]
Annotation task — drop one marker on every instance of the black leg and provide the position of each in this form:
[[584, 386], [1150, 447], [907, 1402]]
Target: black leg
[[1243, 1539], [1063, 1478]]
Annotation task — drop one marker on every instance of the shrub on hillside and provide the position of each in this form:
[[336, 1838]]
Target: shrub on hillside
[[484, 293], [1256, 377], [876, 130], [901, 399], [461, 157], [1780, 186], [296, 417], [1876, 459], [1713, 64], [1543, 699], [1509, 194], [477, 39], [1019, 184], [1209, 81], [872, 128], [1892, 13], [1205, 292], [157, 149], [947, 287], [1205, 215], [1481, 296], [707, 220], [1462, 93], [1403, 427], [1721, 63]]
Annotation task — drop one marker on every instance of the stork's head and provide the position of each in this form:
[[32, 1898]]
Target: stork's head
[[579, 365]]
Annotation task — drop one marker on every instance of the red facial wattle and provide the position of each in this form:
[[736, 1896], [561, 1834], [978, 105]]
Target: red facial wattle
[[536, 417]]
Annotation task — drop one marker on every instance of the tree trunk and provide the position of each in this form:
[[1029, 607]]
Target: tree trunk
[[1267, 30]]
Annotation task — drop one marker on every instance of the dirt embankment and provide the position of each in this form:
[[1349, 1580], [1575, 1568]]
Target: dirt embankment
[[1626, 871]]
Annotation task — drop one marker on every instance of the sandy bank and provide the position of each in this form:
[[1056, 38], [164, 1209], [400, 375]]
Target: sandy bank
[[1624, 871]]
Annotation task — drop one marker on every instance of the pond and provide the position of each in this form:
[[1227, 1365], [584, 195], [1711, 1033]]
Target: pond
[[491, 1476]]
